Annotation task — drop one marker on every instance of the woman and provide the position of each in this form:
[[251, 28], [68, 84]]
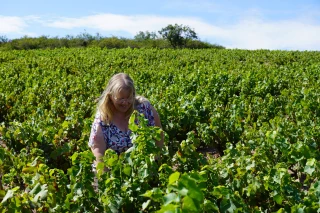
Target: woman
[[110, 126]]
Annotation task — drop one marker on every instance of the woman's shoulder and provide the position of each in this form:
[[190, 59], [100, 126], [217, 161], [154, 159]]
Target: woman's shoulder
[[142, 104], [140, 100], [145, 108], [98, 119]]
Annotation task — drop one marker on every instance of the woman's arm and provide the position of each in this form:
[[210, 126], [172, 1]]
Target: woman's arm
[[157, 123], [99, 146]]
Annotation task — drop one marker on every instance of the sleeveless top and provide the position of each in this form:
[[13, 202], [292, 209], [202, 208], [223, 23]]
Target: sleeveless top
[[114, 138]]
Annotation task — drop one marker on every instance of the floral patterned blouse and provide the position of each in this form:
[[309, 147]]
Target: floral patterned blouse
[[114, 138]]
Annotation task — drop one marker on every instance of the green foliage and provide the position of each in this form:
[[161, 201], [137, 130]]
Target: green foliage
[[142, 36], [178, 35], [3, 39], [141, 40], [260, 109]]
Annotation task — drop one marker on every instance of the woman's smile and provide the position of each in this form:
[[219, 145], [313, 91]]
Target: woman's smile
[[123, 100]]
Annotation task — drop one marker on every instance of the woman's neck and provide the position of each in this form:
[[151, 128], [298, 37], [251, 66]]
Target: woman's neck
[[119, 115], [121, 121]]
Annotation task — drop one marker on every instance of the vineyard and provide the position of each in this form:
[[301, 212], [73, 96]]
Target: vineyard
[[259, 110]]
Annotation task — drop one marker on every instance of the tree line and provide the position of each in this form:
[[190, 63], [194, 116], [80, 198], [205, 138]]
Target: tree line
[[171, 36]]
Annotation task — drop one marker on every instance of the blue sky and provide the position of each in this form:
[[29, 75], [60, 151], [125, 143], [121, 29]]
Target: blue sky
[[242, 24]]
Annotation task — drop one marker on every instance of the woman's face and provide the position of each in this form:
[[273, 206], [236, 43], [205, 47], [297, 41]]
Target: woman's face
[[122, 100]]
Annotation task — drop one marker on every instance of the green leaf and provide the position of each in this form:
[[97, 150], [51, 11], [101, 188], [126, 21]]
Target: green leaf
[[165, 167], [29, 169], [169, 209], [42, 194], [311, 162], [127, 170], [145, 204], [189, 205], [169, 198], [155, 194], [100, 168], [132, 125], [310, 166], [193, 190], [2, 193], [315, 188], [127, 155], [74, 157], [174, 177], [183, 191], [36, 189], [9, 194], [111, 157], [278, 198], [309, 169], [65, 125], [221, 191], [157, 134], [148, 193], [2, 153], [250, 166], [209, 206], [227, 205]]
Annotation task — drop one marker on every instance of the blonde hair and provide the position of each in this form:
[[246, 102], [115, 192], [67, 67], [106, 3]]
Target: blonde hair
[[118, 82], [140, 99]]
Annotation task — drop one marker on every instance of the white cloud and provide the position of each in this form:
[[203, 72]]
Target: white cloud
[[249, 33], [257, 34], [130, 24], [17, 25], [252, 33], [11, 24], [195, 5]]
